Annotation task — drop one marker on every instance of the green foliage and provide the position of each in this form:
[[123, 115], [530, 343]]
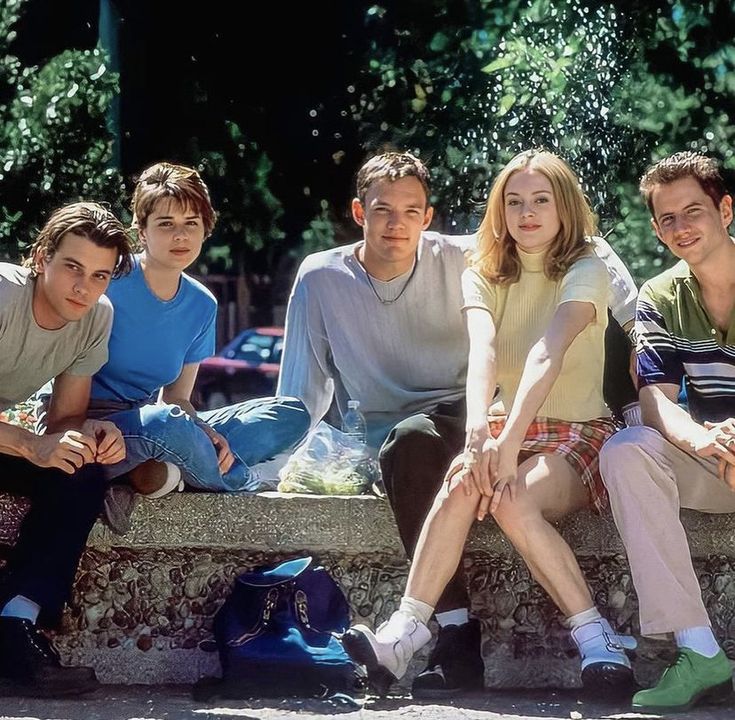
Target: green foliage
[[9, 65], [611, 87], [238, 175], [321, 232], [54, 143]]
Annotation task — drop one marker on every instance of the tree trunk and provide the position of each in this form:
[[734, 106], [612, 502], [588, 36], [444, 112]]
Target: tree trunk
[[242, 291]]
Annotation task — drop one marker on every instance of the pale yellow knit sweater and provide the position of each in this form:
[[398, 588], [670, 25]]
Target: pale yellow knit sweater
[[523, 310]]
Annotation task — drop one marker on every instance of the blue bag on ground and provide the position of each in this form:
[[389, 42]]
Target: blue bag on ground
[[276, 633]]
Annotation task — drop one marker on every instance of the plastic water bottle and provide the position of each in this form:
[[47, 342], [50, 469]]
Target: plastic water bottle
[[353, 423], [364, 465]]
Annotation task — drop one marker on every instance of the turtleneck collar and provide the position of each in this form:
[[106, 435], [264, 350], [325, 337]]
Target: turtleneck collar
[[531, 262]]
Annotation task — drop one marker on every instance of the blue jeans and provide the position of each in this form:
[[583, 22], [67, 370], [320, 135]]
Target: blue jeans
[[256, 430]]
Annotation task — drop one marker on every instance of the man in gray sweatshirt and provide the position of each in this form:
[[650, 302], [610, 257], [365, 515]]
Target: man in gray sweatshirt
[[380, 321]]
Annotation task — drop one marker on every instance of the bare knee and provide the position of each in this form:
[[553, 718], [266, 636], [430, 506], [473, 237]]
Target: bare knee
[[455, 501], [515, 513]]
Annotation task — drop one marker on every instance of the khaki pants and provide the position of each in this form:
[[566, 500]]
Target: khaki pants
[[649, 480]]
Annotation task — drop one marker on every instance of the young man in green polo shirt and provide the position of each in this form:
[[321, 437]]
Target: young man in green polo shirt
[[685, 325]]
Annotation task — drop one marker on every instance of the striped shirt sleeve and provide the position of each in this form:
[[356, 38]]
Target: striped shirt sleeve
[[658, 361]]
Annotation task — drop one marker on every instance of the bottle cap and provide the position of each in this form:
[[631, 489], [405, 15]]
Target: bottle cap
[[353, 404]]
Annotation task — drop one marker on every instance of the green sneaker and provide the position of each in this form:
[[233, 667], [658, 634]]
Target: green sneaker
[[691, 679]]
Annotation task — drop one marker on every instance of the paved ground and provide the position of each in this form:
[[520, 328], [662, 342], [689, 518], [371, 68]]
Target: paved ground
[[175, 703]]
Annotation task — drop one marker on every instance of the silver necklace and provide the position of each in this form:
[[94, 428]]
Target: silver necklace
[[383, 301]]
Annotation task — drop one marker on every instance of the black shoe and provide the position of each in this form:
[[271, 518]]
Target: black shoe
[[606, 671], [608, 682], [455, 665], [30, 667]]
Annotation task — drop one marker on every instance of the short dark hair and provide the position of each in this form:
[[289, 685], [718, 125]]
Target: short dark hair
[[705, 170], [87, 219], [177, 182], [391, 166]]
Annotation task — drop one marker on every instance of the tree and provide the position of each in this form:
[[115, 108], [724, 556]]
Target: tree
[[610, 87], [246, 239], [678, 93], [238, 174], [55, 146]]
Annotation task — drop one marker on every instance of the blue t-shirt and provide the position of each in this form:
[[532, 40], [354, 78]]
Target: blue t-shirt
[[152, 339]]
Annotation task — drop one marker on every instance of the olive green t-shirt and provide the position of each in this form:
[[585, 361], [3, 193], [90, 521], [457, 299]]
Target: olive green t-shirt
[[31, 356]]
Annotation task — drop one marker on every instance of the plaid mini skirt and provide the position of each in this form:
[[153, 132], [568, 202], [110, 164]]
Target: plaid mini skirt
[[578, 443]]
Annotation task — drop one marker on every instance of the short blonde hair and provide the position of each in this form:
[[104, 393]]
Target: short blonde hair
[[496, 257]]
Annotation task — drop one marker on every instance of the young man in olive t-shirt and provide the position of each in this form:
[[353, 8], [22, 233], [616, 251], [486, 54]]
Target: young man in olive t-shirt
[[54, 323]]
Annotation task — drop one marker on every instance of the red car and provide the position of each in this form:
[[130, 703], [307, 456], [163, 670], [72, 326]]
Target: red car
[[246, 367]]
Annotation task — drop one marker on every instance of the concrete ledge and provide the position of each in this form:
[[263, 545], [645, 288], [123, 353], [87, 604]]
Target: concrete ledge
[[353, 525], [267, 522], [143, 603]]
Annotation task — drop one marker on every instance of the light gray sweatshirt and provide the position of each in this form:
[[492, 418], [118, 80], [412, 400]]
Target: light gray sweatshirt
[[397, 359]]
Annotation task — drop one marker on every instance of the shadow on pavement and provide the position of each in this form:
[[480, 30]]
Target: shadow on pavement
[[175, 702]]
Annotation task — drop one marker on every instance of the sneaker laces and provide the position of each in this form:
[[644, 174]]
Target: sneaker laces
[[677, 666], [678, 671], [41, 643]]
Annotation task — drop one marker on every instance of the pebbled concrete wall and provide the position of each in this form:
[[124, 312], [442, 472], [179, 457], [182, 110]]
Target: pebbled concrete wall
[[143, 603]]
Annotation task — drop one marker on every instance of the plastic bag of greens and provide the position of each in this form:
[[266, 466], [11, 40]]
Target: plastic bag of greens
[[328, 462]]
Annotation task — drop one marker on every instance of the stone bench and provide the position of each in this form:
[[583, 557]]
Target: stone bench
[[143, 603]]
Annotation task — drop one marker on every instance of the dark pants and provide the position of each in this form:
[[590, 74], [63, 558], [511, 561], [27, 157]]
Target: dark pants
[[617, 385], [43, 563], [413, 460]]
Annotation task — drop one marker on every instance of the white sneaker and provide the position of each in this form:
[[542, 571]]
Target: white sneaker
[[387, 652], [173, 482]]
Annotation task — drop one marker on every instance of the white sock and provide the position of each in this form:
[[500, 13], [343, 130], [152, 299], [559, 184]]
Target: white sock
[[632, 414], [416, 608], [582, 618], [460, 616], [701, 639]]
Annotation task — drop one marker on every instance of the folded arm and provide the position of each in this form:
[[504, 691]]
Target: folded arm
[[71, 440], [660, 408]]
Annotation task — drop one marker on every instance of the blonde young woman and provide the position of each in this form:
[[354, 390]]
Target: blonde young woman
[[535, 299]]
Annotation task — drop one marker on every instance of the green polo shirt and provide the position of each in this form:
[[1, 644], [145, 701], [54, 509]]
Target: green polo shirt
[[677, 339]]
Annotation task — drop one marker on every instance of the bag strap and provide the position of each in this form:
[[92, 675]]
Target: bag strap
[[271, 600]]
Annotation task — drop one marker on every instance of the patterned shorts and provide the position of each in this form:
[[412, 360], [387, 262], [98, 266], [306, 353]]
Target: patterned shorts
[[578, 443]]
